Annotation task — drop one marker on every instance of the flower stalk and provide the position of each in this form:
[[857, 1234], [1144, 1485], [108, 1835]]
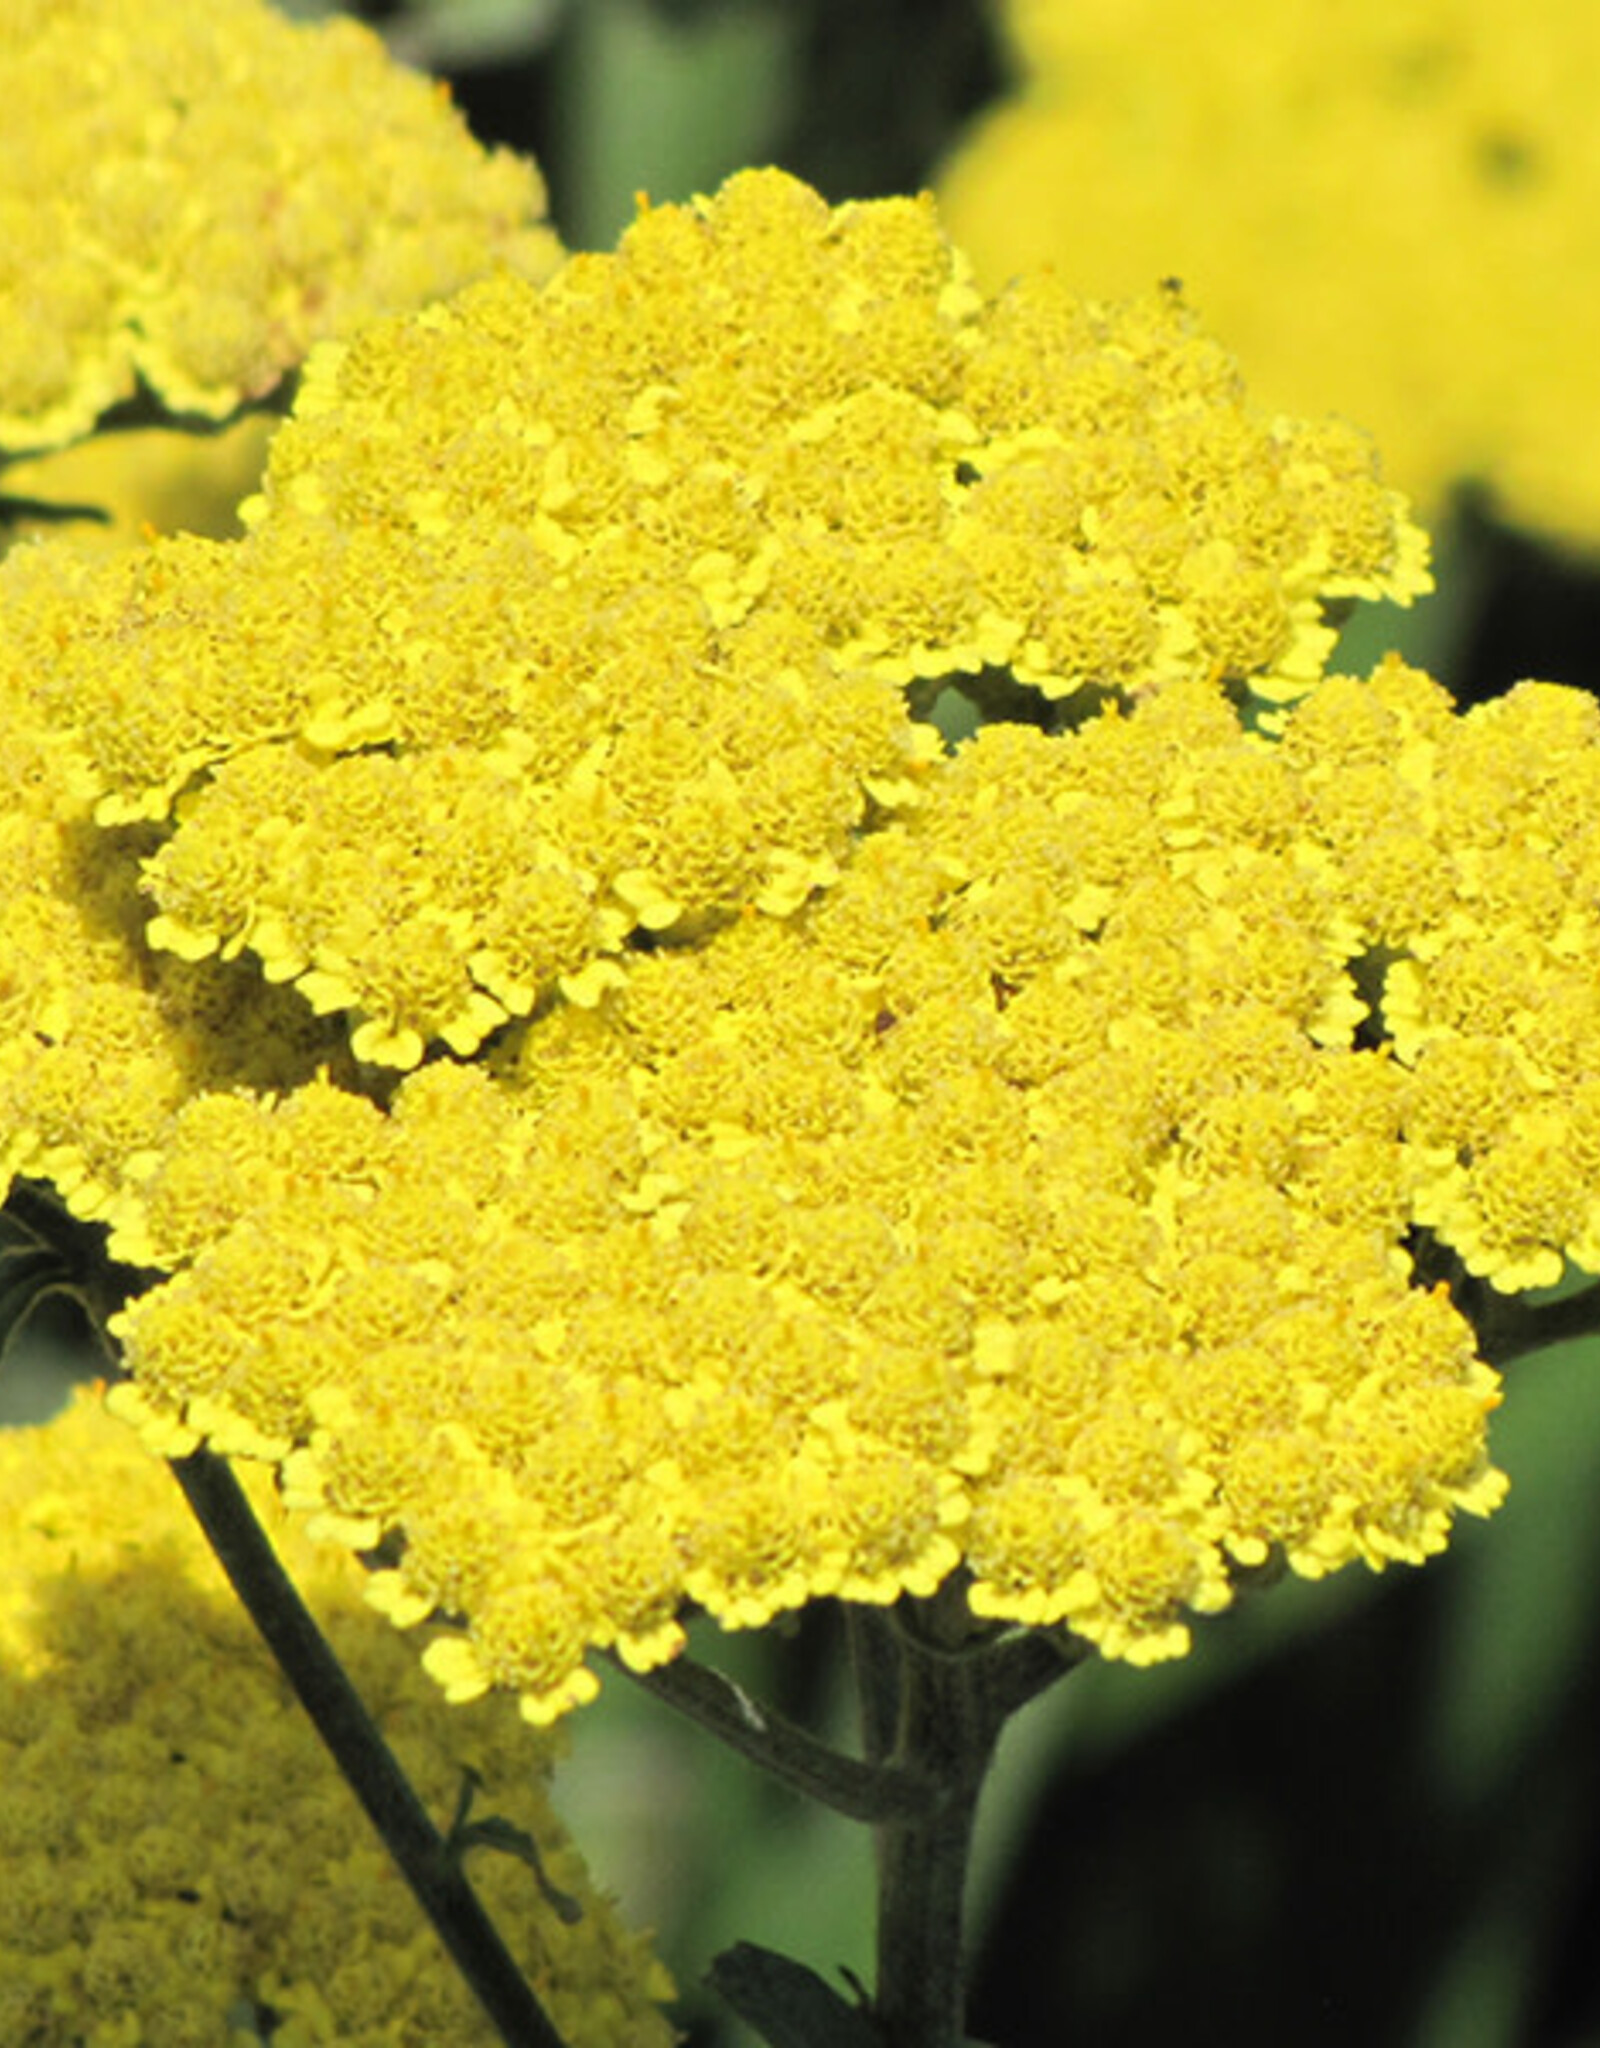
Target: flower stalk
[[1509, 1329], [948, 1696], [430, 1867], [861, 1790]]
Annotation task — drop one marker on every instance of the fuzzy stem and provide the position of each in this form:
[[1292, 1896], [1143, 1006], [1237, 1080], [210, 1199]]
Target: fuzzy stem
[[320, 1683], [950, 1714], [877, 1659], [866, 1791]]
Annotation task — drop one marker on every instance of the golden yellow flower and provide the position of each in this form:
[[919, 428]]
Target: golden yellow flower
[[99, 1040], [667, 1130], [491, 687], [1055, 1232]]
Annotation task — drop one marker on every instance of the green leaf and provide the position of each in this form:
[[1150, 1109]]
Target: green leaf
[[788, 2005], [510, 1840]]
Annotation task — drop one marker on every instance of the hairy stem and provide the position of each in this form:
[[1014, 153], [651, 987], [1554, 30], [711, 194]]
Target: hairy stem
[[954, 1689], [429, 1866], [868, 1791], [877, 1658]]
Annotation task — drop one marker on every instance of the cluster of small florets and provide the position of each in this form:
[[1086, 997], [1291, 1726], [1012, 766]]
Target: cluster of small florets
[[493, 687], [1021, 1204], [821, 1161], [101, 1040], [189, 197], [1304, 167], [1471, 852], [177, 1854]]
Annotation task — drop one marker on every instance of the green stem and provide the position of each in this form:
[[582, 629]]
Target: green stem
[[955, 1692], [1026, 1662], [877, 1659], [426, 1861], [862, 1791], [1509, 1329]]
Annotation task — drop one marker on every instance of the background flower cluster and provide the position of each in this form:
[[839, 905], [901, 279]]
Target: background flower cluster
[[191, 198], [1389, 210], [176, 1852]]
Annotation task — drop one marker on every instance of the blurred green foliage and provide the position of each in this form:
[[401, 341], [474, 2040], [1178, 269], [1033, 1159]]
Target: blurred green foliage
[[663, 101]]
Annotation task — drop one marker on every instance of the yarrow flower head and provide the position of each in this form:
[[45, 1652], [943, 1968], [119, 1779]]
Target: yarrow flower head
[[100, 1040], [191, 196], [1304, 168], [1022, 1206], [494, 688], [744, 1150], [178, 1856]]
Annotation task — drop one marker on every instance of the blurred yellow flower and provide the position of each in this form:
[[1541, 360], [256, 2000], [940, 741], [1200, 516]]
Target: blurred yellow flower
[[118, 490], [189, 197], [178, 1855], [1388, 209]]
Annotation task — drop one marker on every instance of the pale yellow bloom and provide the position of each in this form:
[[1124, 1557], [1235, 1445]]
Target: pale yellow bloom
[[189, 197], [174, 1843], [1387, 209]]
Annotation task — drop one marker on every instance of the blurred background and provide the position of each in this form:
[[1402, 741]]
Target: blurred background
[[1363, 1810]]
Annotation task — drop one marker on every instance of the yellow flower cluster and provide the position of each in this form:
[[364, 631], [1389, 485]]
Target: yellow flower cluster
[[177, 1854], [581, 612], [100, 1041], [1478, 881], [190, 196], [1022, 1204], [1385, 208], [861, 1162]]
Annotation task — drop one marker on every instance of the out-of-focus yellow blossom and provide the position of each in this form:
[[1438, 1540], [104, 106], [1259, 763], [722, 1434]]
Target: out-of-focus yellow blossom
[[190, 196], [1385, 208], [175, 1848], [577, 612], [1022, 1204]]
